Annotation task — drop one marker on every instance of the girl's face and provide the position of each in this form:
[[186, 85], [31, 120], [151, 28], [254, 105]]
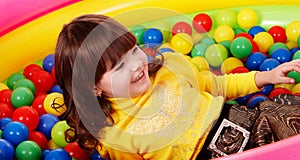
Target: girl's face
[[129, 78]]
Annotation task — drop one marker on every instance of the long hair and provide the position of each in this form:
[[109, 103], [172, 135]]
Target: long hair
[[87, 47]]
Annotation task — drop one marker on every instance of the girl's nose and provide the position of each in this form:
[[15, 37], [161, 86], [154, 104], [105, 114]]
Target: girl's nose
[[136, 65]]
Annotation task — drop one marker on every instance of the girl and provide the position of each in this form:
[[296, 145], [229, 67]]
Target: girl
[[128, 108]]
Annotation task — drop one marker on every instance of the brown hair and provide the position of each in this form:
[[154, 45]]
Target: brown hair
[[87, 47]]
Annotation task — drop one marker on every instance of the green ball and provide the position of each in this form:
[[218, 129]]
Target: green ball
[[58, 133], [199, 50], [1, 133], [25, 83], [138, 32], [13, 79], [296, 55], [21, 96], [241, 47], [226, 44], [208, 41], [28, 150], [238, 30], [298, 40], [277, 45], [215, 54], [295, 75]]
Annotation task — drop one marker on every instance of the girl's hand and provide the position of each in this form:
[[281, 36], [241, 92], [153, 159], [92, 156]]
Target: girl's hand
[[278, 74]]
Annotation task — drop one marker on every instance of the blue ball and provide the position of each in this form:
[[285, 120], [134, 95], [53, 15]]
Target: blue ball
[[254, 60], [152, 37], [255, 29], [269, 64], [7, 150], [15, 132], [165, 49], [58, 154], [266, 90], [282, 55], [294, 50], [96, 156], [253, 101], [46, 123], [4, 122], [56, 88], [243, 100], [48, 63], [44, 153]]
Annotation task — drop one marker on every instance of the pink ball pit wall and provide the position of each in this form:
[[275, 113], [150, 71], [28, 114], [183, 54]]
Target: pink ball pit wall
[[28, 32]]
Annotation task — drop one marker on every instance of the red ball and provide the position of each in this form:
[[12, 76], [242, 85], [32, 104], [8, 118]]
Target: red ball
[[254, 46], [30, 70], [245, 35], [5, 96], [278, 91], [240, 70], [202, 23], [76, 152], [26, 115], [278, 33], [38, 104], [181, 27], [43, 81], [53, 74], [39, 138], [6, 110]]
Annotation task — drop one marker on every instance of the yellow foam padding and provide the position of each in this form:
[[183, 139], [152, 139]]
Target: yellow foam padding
[[36, 39]]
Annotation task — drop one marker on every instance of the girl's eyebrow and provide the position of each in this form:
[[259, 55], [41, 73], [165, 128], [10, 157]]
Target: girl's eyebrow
[[119, 66]]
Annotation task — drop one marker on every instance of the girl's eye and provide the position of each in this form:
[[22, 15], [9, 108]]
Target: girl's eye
[[119, 66]]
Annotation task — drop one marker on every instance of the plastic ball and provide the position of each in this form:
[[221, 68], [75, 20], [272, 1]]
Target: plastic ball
[[264, 41], [284, 85], [238, 30], [245, 35], [278, 33], [96, 156], [3, 86], [43, 81], [254, 100], [52, 145], [291, 44], [28, 150], [48, 63], [56, 88], [138, 32], [227, 17], [293, 31], [239, 70], [30, 69], [197, 37], [294, 50], [202, 23], [226, 44], [182, 43], [7, 150], [58, 154], [256, 29], [53, 74], [244, 99], [182, 27], [266, 90], [58, 133], [21, 96], [254, 46], [216, 54], [46, 123], [276, 46], [6, 110], [4, 122], [282, 55], [254, 60], [152, 37], [278, 91], [223, 33], [208, 41], [27, 115], [247, 18], [54, 104], [269, 64], [38, 104], [241, 47], [295, 75], [25, 83], [44, 153], [296, 55], [296, 88], [5, 95], [39, 138], [76, 152], [199, 50], [230, 63], [164, 28], [200, 63], [13, 79], [15, 132]]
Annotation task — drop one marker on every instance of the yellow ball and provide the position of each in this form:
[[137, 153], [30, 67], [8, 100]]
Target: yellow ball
[[247, 18], [264, 41], [182, 42], [52, 145], [296, 88], [291, 44], [230, 63], [223, 33], [54, 104], [3, 86], [226, 16], [286, 86], [293, 31], [200, 63]]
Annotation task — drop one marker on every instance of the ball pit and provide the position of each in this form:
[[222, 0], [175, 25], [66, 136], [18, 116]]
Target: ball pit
[[223, 26]]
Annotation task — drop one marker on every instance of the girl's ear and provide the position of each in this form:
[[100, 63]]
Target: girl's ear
[[98, 92]]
